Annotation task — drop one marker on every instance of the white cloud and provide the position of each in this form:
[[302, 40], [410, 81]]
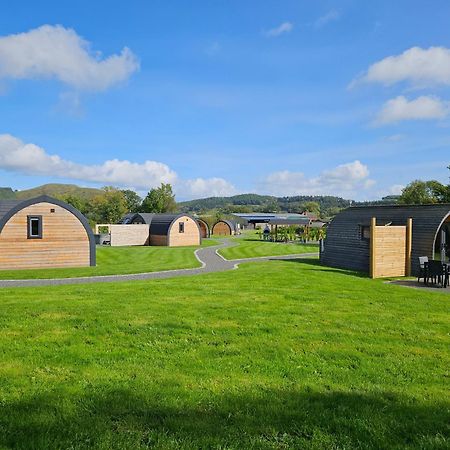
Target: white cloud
[[344, 180], [421, 108], [29, 159], [285, 27], [210, 187], [421, 67], [394, 138], [330, 16], [55, 52], [396, 189]]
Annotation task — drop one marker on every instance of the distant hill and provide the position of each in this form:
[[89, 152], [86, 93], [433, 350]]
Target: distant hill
[[264, 203], [53, 190], [58, 190], [6, 193]]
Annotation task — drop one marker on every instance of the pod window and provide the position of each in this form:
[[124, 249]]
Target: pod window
[[181, 227], [34, 227]]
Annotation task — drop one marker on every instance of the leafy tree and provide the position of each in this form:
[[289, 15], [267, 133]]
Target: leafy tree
[[132, 200], [423, 192], [270, 206], [109, 207], [77, 202], [160, 200], [312, 207]]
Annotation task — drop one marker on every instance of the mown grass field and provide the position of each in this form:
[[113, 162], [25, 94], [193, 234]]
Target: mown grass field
[[250, 246], [120, 260], [300, 357]]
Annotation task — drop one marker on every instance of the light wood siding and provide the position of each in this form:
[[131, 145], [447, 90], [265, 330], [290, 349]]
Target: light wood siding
[[64, 242], [191, 235], [221, 229], [126, 235], [390, 251], [203, 229], [158, 240], [344, 248]]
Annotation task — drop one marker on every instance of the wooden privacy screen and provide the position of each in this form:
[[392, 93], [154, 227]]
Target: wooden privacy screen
[[390, 250], [124, 235]]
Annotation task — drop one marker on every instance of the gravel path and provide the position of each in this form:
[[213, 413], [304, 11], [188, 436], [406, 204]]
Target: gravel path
[[209, 258]]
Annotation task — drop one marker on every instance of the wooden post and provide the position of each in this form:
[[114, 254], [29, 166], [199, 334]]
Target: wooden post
[[373, 245], [409, 225]]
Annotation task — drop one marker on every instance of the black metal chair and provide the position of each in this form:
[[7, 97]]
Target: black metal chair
[[436, 272]]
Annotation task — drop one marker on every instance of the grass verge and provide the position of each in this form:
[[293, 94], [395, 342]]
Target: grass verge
[[120, 260], [301, 357]]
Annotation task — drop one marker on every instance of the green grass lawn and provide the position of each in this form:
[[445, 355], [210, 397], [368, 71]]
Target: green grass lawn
[[121, 260], [250, 246], [303, 357]]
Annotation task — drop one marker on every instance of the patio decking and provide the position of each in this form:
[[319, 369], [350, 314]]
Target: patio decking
[[416, 285]]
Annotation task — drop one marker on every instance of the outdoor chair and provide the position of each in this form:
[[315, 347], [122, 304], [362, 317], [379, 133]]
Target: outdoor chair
[[436, 272], [422, 261]]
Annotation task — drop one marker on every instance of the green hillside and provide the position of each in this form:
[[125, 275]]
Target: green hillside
[[264, 203], [58, 190], [6, 193]]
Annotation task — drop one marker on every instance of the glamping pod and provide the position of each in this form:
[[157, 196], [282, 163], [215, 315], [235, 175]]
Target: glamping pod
[[204, 228], [348, 243], [137, 219], [224, 228], [174, 230], [44, 232]]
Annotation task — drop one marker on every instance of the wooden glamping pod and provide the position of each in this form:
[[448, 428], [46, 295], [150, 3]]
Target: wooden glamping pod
[[224, 228], [204, 228], [174, 230], [44, 232], [386, 240]]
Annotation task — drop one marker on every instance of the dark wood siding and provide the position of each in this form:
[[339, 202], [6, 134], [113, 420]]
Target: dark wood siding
[[344, 248]]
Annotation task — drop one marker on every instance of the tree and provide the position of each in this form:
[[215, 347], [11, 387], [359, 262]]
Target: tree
[[77, 202], [160, 200], [423, 192], [132, 200], [109, 207], [312, 207]]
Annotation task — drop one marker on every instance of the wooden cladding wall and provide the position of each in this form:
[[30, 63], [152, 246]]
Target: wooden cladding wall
[[64, 242], [203, 229], [345, 248], [127, 235], [190, 236], [222, 229], [389, 254]]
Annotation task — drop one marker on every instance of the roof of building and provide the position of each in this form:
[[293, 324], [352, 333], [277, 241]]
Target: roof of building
[[275, 218], [289, 221], [130, 217], [230, 223], [161, 223], [6, 206]]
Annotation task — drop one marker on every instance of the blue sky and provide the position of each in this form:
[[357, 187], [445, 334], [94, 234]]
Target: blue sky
[[346, 98]]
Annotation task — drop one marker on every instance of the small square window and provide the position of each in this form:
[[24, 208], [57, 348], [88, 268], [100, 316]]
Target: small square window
[[52, 210], [181, 227], [365, 233], [34, 227]]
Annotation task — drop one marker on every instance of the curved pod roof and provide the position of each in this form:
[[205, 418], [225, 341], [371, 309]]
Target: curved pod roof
[[231, 225], [162, 223]]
